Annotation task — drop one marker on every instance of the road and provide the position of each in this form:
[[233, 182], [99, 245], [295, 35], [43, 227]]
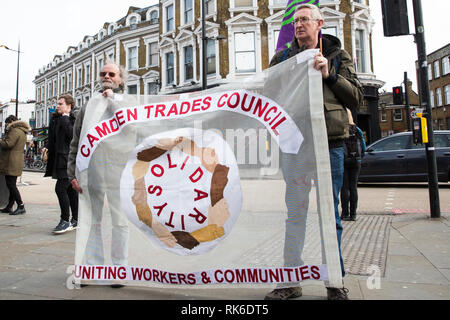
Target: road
[[399, 198], [374, 198]]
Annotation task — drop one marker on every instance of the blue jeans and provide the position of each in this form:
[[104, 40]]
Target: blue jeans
[[298, 174], [337, 178]]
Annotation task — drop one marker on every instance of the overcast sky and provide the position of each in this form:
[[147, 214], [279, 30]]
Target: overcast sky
[[47, 28]]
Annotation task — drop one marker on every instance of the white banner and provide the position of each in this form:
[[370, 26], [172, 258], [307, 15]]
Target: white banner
[[173, 184]]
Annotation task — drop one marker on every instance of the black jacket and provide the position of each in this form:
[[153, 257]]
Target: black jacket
[[59, 137]]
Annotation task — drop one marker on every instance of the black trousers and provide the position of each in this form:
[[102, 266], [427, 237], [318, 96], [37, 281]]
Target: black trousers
[[14, 194], [68, 199], [349, 191]]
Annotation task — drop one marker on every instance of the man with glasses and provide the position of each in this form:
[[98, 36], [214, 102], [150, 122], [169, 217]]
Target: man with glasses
[[341, 89], [100, 181]]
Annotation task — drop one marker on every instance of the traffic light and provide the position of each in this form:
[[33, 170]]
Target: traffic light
[[397, 94], [395, 17]]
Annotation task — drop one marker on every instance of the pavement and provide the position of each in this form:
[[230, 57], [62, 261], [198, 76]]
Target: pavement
[[389, 256]]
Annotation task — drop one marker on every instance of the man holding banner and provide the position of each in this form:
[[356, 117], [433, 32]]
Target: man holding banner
[[112, 77], [341, 89]]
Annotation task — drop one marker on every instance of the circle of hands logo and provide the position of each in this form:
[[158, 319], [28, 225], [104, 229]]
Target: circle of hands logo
[[182, 191]]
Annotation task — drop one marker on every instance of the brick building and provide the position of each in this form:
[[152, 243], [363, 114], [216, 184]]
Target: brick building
[[161, 48], [439, 83], [393, 118]]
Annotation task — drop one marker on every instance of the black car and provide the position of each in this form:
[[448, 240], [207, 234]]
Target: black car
[[397, 159]]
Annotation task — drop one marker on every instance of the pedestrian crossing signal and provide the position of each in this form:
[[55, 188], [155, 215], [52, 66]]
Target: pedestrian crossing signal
[[397, 94]]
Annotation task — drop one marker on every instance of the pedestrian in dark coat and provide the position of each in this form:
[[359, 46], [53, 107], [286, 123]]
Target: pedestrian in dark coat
[[11, 160], [352, 167], [60, 135]]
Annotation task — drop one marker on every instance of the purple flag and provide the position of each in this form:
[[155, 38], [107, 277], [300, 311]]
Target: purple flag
[[287, 28]]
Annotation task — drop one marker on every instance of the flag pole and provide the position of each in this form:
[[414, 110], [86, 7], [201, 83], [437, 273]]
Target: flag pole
[[320, 41]]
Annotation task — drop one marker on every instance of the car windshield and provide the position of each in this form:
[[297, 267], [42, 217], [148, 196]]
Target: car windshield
[[392, 143]]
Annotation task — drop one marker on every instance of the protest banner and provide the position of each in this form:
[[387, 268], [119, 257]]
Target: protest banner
[[227, 187]]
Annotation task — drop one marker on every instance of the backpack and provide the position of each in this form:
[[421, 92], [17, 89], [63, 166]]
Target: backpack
[[353, 147]]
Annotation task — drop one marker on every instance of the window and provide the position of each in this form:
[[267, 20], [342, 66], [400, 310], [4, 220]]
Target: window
[[210, 7], [170, 21], [210, 56], [169, 68], [132, 58], [87, 74], [447, 94], [383, 115], [153, 54], [280, 3], [188, 63], [442, 140], [436, 69], [394, 143], [100, 64], [55, 88], [360, 52], [133, 22], [243, 3], [439, 97], [188, 12], [398, 115], [445, 65], [132, 89], [63, 84], [330, 30], [245, 52], [154, 17], [430, 73], [79, 78], [69, 81], [276, 34], [152, 88], [431, 98]]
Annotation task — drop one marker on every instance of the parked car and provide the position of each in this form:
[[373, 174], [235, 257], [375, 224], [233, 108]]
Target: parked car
[[397, 159]]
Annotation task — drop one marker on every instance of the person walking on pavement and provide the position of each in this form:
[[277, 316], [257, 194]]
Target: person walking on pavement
[[341, 87], [355, 147], [11, 161], [59, 138]]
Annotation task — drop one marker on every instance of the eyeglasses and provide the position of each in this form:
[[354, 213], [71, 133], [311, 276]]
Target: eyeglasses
[[303, 20], [110, 74]]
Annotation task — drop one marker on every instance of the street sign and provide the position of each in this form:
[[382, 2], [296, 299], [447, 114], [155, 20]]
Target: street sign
[[415, 111]]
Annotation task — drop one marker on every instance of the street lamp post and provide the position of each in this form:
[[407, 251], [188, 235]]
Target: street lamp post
[[17, 76], [204, 73]]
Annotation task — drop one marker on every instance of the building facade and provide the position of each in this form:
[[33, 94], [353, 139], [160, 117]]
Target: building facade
[[439, 83], [161, 47]]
